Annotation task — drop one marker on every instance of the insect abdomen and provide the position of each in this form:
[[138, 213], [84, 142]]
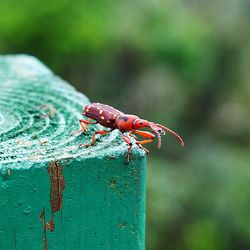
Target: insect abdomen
[[103, 114]]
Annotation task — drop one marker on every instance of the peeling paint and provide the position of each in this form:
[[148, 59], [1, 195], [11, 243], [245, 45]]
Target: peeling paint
[[112, 183], [57, 185], [122, 225], [50, 111], [8, 171], [56, 197]]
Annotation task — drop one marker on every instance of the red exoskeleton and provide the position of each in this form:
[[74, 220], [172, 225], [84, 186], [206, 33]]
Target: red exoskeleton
[[112, 118]]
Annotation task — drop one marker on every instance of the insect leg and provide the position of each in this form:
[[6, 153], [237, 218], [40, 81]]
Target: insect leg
[[100, 132], [145, 134], [150, 137], [132, 135], [129, 143], [84, 124]]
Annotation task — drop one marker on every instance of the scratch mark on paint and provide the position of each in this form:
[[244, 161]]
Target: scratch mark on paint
[[56, 197], [14, 235]]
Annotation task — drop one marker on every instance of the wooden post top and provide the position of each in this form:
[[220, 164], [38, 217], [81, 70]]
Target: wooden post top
[[55, 194], [38, 113]]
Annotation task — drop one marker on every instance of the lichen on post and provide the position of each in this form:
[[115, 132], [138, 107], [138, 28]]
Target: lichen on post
[[55, 194]]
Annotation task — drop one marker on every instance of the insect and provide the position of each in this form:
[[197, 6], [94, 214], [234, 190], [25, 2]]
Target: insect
[[112, 118]]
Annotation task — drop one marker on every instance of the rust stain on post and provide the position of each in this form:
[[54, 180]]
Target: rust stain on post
[[56, 197]]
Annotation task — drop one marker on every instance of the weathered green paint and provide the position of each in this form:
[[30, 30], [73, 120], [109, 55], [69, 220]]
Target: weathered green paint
[[103, 202]]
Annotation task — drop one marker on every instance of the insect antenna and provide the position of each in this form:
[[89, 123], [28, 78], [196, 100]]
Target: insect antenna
[[171, 132]]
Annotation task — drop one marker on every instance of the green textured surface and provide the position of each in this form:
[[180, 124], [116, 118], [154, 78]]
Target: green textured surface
[[103, 203]]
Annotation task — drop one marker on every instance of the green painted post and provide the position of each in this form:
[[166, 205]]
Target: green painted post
[[55, 195]]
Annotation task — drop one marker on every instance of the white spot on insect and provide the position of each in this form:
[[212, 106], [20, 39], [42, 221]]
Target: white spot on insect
[[100, 112], [102, 117], [108, 121], [98, 108]]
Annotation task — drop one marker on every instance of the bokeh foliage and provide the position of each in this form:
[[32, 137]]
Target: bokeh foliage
[[181, 63]]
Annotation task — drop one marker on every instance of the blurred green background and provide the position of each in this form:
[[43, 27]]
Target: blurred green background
[[181, 63]]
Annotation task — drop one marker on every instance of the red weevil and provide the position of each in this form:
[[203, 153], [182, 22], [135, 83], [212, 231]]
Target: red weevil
[[112, 118]]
